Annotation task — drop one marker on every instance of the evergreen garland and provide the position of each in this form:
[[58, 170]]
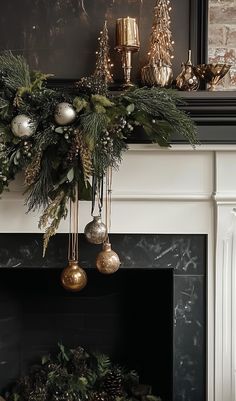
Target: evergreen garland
[[56, 158], [77, 375]]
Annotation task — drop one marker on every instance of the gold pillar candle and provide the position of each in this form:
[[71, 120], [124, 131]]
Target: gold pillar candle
[[127, 41], [127, 34]]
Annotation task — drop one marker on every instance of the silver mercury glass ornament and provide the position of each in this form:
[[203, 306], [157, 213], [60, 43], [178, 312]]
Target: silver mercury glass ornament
[[23, 126], [95, 231], [64, 113]]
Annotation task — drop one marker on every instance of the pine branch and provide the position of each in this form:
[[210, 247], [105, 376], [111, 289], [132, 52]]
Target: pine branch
[[40, 190], [15, 71], [92, 124], [162, 105]]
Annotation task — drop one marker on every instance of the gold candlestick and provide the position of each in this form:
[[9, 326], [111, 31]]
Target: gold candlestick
[[127, 41]]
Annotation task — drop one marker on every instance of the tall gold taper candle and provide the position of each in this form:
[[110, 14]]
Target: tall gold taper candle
[[127, 41]]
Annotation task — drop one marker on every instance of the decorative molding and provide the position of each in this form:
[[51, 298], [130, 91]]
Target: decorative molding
[[225, 306]]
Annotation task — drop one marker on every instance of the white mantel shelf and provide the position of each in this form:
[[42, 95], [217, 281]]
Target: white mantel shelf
[[176, 190]]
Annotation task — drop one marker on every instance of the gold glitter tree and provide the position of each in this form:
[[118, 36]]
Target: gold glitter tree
[[103, 63], [161, 44], [158, 71]]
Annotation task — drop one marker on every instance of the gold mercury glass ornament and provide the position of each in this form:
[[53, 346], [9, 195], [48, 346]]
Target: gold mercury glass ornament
[[127, 41], [107, 261], [73, 277]]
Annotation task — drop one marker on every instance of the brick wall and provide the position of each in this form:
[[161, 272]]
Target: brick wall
[[222, 37]]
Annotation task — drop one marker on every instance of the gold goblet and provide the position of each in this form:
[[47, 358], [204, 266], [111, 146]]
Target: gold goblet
[[127, 41], [212, 73]]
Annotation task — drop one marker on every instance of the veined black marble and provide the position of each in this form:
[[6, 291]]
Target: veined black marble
[[184, 255]]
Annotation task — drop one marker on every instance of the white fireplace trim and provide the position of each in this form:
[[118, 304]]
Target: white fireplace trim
[[177, 190]]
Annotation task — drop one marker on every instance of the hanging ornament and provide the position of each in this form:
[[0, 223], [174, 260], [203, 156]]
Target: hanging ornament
[[73, 277], [64, 113], [107, 261], [158, 71], [23, 126], [187, 80], [95, 231]]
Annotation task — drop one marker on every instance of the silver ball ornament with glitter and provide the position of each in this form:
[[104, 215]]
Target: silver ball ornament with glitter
[[95, 231], [64, 113], [23, 126]]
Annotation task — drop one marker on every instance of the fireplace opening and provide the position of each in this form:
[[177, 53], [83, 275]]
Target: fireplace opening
[[128, 315]]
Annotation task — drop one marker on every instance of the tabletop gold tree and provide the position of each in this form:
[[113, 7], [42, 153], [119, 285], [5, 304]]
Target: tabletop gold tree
[[158, 71]]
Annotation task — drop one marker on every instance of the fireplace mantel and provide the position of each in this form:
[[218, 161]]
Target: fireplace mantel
[[176, 190]]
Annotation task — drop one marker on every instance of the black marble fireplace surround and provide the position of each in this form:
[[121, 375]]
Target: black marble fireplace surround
[[149, 316]]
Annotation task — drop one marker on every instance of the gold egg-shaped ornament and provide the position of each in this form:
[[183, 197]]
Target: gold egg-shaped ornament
[[23, 126], [64, 113], [107, 262], [73, 277], [95, 231]]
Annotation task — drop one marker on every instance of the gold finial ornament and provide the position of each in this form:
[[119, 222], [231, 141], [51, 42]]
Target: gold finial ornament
[[127, 42], [188, 79]]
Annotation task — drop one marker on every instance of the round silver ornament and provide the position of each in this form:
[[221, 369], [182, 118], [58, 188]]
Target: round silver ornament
[[95, 231], [23, 126], [64, 113]]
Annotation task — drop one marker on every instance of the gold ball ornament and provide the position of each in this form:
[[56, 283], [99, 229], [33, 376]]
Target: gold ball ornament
[[64, 113], [73, 277], [23, 126], [107, 261], [95, 231]]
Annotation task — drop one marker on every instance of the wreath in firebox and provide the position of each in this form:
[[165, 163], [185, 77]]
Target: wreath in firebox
[[63, 140], [76, 375]]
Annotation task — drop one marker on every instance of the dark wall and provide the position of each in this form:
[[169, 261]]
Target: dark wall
[[60, 37]]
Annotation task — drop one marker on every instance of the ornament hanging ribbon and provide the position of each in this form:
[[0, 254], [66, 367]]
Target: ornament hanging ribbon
[[108, 261], [73, 277]]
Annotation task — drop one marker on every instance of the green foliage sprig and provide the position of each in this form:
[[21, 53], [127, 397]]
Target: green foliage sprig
[[75, 374], [56, 158]]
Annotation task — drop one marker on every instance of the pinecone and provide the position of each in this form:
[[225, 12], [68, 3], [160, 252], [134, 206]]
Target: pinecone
[[33, 169], [79, 361], [113, 383], [92, 85], [85, 155]]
